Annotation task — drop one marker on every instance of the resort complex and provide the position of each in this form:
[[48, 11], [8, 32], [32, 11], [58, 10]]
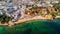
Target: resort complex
[[18, 11]]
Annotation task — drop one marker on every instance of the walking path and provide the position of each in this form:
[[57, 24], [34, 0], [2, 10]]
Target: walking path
[[26, 19]]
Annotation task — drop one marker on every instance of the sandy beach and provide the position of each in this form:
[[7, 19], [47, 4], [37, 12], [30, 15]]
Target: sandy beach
[[26, 19]]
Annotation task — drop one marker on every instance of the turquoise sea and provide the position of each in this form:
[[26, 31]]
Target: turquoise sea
[[33, 27]]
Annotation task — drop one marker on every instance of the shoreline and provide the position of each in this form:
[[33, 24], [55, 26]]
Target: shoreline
[[20, 21]]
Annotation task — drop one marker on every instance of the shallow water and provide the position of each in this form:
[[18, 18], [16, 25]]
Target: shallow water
[[33, 27]]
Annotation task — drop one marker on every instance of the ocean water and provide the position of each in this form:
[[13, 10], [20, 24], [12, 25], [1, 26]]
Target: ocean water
[[33, 27]]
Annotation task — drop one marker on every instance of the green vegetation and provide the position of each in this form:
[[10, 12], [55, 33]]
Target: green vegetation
[[57, 6], [4, 18], [34, 7], [54, 13], [4, 0]]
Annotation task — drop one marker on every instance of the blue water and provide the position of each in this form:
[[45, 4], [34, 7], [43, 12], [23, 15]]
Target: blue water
[[33, 27]]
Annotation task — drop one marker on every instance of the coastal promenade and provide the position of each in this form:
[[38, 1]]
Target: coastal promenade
[[24, 20], [20, 21]]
